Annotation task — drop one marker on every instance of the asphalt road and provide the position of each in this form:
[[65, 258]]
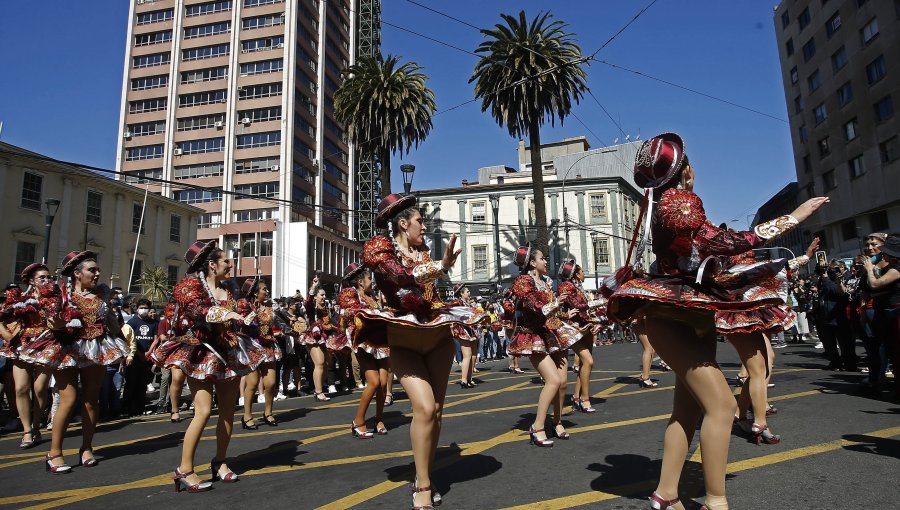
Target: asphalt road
[[838, 450]]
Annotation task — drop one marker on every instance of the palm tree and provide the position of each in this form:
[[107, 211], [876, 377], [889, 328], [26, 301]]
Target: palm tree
[[529, 73], [384, 107], [154, 282]]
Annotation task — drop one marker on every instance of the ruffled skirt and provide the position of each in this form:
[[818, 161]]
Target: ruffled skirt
[[269, 352], [376, 351], [199, 361], [369, 319], [528, 342], [101, 351], [316, 335], [43, 350], [463, 333]]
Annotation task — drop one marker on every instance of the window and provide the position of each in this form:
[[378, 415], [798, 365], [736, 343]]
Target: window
[[889, 150], [255, 215], [810, 190], [201, 98], [334, 191], [876, 70], [202, 146], [265, 66], [133, 286], [94, 212], [833, 24], [480, 261], [850, 129], [259, 140], [200, 122], [795, 76], [820, 113], [848, 230], [814, 81], [824, 147], [884, 109], [335, 171], [829, 181], [143, 176], [789, 47], [146, 128], [209, 220], [839, 59], [150, 82], [878, 221], [205, 30], [153, 38], [254, 3], [869, 31], [144, 152], [201, 75], [785, 20], [172, 276], [249, 166], [32, 185], [258, 189], [803, 133], [26, 254], [199, 196], [804, 18], [809, 50], [202, 52], [155, 16], [207, 8], [798, 104], [601, 251], [200, 170], [845, 94], [598, 208], [262, 44], [262, 21], [137, 213], [806, 163], [156, 59], [147, 105], [478, 215], [257, 91], [856, 167], [260, 114], [266, 244], [248, 245]]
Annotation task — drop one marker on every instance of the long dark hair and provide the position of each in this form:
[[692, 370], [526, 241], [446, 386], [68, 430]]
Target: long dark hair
[[214, 256], [404, 214]]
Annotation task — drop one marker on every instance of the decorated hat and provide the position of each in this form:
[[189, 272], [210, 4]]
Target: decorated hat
[[353, 270], [567, 270], [197, 253], [658, 160], [247, 287], [881, 236], [71, 261], [457, 289], [523, 253], [391, 205], [31, 269], [891, 246]]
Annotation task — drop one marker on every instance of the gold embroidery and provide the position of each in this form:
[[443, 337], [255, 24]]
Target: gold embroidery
[[776, 227]]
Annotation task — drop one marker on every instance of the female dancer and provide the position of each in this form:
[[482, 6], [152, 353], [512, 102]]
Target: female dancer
[[543, 337], [679, 300], [418, 325], [572, 297], [27, 323], [165, 331], [212, 355], [90, 341], [370, 346], [320, 328], [255, 305], [508, 320], [465, 336]]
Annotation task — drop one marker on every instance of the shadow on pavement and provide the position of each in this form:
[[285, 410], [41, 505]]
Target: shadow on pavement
[[283, 453], [457, 468], [883, 446]]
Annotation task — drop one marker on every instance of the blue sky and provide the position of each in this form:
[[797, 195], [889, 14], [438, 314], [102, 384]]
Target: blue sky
[[61, 89]]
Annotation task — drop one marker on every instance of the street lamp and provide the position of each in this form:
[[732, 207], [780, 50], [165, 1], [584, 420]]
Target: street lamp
[[565, 210], [594, 237], [408, 171], [495, 206], [52, 207]]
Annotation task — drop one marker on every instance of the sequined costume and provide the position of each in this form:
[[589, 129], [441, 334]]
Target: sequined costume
[[97, 340], [320, 327], [538, 329], [35, 344], [461, 332], [369, 337], [206, 345], [408, 286], [687, 273], [589, 311], [261, 329]]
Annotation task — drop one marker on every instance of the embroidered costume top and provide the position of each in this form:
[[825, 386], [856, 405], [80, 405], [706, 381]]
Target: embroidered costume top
[[200, 315], [369, 336], [539, 329], [576, 299], [320, 325]]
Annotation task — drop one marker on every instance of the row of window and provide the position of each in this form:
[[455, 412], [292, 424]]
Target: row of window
[[883, 110], [255, 215], [262, 44], [260, 114], [150, 82], [202, 146], [155, 59], [222, 27], [200, 122], [203, 52], [334, 191], [261, 90], [201, 75], [146, 128], [199, 170], [246, 244], [257, 190], [268, 20], [147, 39]]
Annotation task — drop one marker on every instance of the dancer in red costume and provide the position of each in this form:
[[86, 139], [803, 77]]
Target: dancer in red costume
[[317, 335], [543, 337], [209, 348], [418, 325], [680, 295], [370, 346], [466, 337], [255, 305]]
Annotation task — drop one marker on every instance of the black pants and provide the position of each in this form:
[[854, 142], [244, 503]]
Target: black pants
[[834, 337], [137, 375]]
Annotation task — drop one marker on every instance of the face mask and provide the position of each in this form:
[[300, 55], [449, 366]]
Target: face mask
[[143, 312]]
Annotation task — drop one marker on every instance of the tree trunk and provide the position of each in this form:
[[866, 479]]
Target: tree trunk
[[385, 162], [537, 184]]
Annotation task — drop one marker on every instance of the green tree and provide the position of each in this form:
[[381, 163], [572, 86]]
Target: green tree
[[529, 73], [384, 107], [154, 282]]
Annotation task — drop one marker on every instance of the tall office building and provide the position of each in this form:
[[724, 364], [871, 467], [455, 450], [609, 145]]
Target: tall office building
[[840, 62], [237, 96]]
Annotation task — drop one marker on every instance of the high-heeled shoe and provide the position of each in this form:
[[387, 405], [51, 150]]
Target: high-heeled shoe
[[436, 498], [763, 436], [229, 477], [658, 503], [92, 462], [52, 468], [543, 443], [561, 435], [416, 490], [175, 417], [270, 420], [389, 400], [647, 383], [361, 434], [181, 482], [251, 425], [586, 408], [770, 410], [381, 431], [321, 397], [24, 445]]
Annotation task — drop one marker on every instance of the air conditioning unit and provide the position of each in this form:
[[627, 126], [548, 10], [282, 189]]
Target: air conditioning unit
[[179, 151], [127, 134], [279, 45], [240, 89], [219, 124], [275, 168], [245, 121], [315, 163]]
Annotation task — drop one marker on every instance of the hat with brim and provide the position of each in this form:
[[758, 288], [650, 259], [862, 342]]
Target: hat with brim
[[881, 236], [71, 261], [457, 289], [891, 246], [30, 269], [390, 206], [523, 253], [658, 160], [353, 270], [247, 287], [566, 270], [197, 254]]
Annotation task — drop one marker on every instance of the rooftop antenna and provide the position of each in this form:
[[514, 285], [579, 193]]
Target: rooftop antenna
[[627, 137], [615, 141], [638, 136], [1, 128]]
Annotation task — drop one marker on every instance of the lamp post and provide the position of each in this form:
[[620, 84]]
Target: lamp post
[[495, 206], [594, 236], [565, 210], [408, 172], [52, 205]]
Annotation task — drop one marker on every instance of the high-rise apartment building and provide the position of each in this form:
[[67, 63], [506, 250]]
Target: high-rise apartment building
[[840, 62], [232, 100]]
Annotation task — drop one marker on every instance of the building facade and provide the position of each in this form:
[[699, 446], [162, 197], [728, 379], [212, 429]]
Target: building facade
[[840, 63], [230, 103], [593, 189], [793, 243], [94, 213]]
